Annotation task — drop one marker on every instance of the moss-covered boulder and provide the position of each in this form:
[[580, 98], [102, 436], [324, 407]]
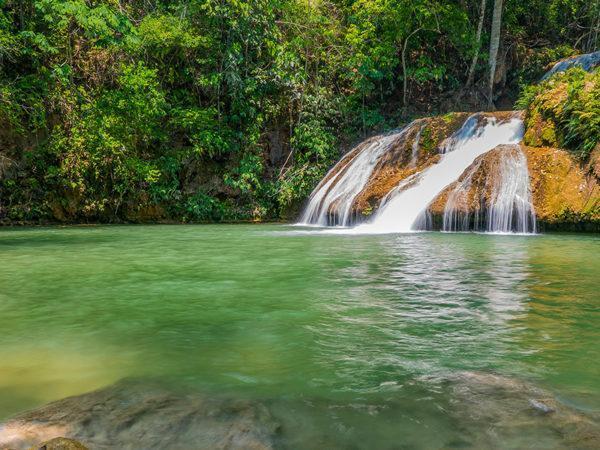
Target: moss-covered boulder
[[564, 112], [564, 195]]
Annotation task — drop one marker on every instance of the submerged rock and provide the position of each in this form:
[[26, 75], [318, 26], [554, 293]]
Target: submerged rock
[[473, 410], [141, 415], [503, 412]]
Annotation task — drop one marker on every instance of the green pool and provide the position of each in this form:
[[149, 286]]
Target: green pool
[[349, 337]]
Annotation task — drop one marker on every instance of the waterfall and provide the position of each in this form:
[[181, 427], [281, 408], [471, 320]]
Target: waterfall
[[509, 208], [415, 147], [478, 135], [456, 219], [587, 62], [331, 201]]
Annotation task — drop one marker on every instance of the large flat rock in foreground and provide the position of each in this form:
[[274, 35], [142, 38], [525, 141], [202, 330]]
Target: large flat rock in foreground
[[132, 415], [469, 410]]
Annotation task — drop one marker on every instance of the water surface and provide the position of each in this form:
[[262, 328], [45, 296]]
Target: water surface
[[343, 332]]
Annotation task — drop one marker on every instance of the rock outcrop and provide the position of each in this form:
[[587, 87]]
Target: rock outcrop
[[564, 195], [141, 415]]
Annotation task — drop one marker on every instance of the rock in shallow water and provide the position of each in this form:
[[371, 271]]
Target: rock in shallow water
[[472, 410], [133, 415], [495, 410]]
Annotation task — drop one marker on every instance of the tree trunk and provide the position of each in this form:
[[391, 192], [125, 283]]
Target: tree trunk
[[494, 46], [593, 40], [477, 44], [405, 70]]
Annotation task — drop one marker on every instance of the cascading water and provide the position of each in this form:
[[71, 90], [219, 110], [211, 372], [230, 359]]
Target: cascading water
[[511, 208], [331, 202], [415, 147], [455, 216], [478, 135], [587, 62], [508, 207]]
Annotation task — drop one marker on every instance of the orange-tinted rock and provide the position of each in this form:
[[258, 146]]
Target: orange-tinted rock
[[563, 194], [414, 151], [562, 191], [594, 162]]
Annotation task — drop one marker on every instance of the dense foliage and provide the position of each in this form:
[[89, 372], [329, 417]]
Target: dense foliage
[[564, 111], [234, 109]]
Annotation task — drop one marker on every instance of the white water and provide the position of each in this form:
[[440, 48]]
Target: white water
[[331, 202], [454, 219], [415, 147], [510, 208], [586, 62], [477, 136]]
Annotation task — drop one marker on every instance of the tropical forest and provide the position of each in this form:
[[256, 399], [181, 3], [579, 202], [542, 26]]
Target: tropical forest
[[299, 224]]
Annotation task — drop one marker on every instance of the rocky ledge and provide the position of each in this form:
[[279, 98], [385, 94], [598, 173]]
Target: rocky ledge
[[132, 415], [565, 194], [505, 409]]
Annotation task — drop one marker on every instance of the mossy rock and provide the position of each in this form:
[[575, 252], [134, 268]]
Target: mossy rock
[[540, 132], [564, 112]]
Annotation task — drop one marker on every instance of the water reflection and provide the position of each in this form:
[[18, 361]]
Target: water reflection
[[423, 303]]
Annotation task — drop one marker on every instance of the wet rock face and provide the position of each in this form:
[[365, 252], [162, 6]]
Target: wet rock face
[[586, 62], [492, 194], [135, 415], [355, 186], [564, 196], [482, 177], [413, 152], [359, 183]]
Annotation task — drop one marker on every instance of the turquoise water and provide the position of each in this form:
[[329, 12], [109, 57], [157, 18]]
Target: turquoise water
[[293, 315]]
